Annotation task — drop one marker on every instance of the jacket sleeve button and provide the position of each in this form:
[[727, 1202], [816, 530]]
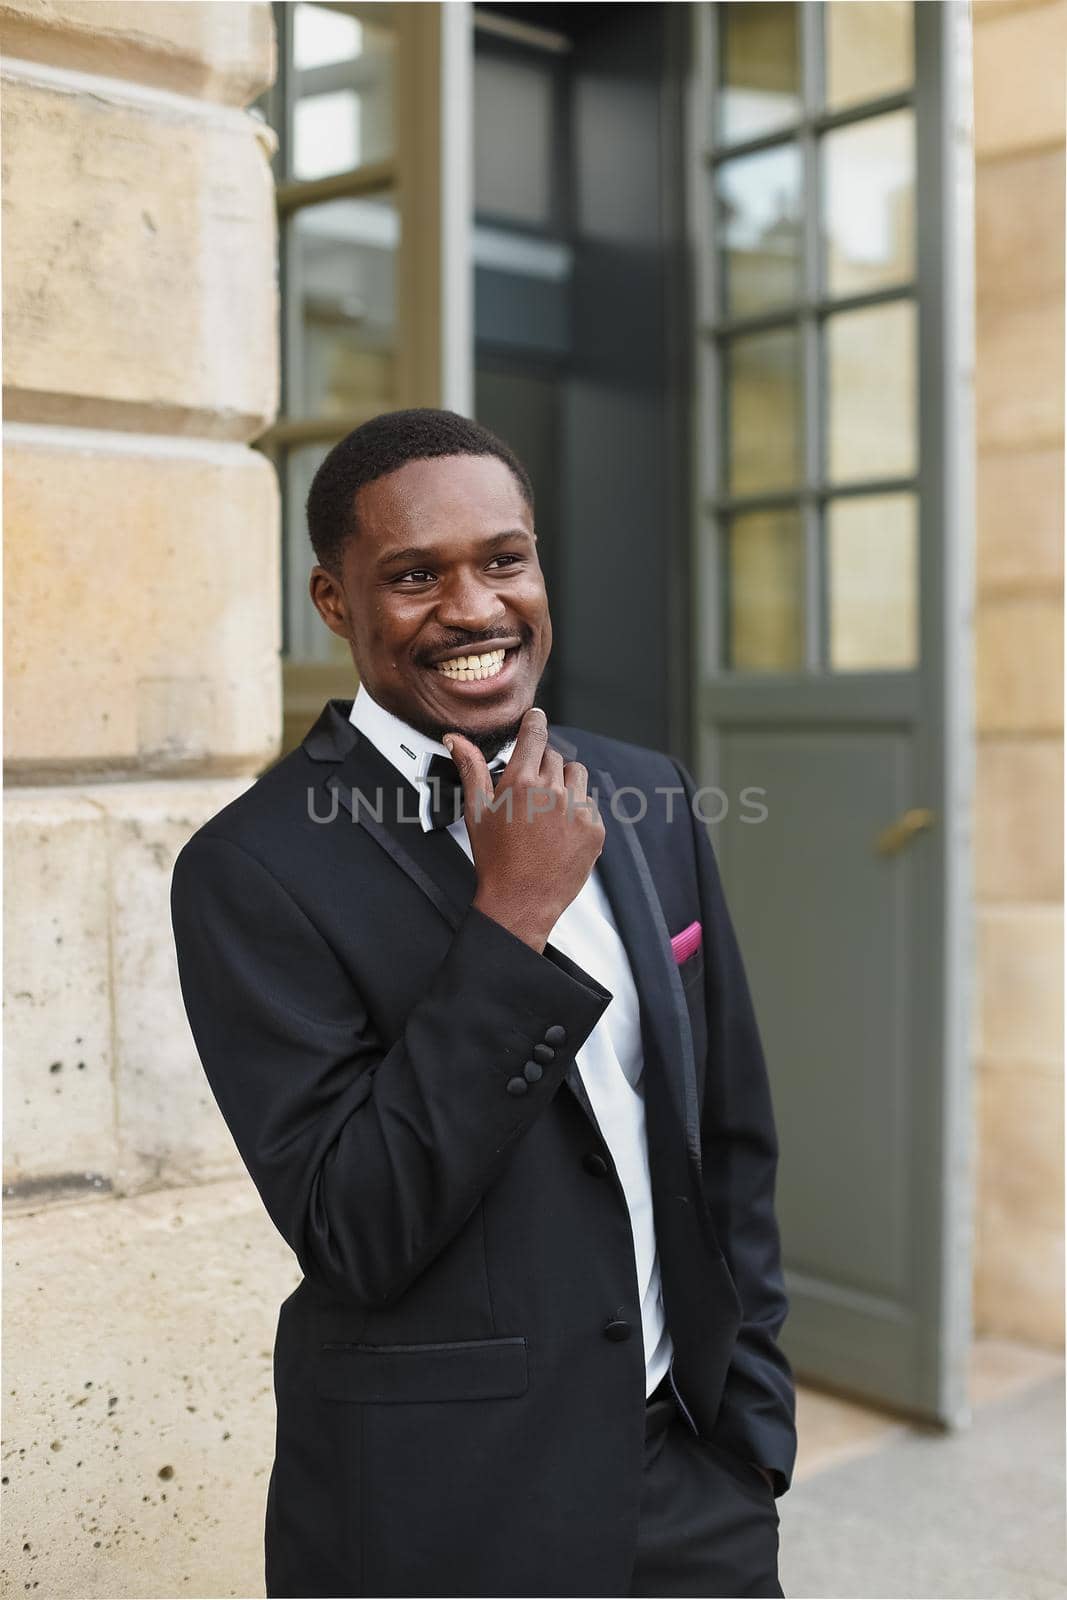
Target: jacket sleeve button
[[533, 1072], [556, 1034], [543, 1052], [517, 1086]]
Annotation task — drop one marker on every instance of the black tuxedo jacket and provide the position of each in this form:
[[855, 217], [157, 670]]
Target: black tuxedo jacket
[[459, 1376]]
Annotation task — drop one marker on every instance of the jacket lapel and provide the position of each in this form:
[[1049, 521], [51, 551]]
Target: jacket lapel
[[384, 802], [666, 1034]]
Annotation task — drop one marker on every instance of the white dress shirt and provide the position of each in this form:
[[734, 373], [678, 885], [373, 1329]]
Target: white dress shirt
[[611, 1061]]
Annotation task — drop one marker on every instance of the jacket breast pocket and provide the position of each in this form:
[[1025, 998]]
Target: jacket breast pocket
[[398, 1374], [691, 970]]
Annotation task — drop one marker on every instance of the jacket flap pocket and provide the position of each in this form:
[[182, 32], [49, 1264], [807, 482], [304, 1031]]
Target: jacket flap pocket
[[477, 1369]]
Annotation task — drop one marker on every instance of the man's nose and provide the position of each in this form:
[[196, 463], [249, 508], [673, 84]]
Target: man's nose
[[470, 604]]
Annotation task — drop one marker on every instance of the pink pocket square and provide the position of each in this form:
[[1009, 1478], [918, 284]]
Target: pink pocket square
[[684, 944]]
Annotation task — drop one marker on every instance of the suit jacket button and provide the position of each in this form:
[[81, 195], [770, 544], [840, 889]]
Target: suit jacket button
[[556, 1034], [617, 1331], [543, 1052], [532, 1072], [595, 1165], [517, 1086]]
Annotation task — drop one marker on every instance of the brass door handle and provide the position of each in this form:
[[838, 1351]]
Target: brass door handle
[[903, 830]]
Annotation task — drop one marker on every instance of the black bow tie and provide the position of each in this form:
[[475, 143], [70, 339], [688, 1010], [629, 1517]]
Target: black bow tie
[[446, 793]]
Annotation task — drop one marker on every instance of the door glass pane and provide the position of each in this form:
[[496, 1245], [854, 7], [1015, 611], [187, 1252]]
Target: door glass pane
[[764, 590], [513, 152], [759, 69], [760, 223], [342, 91], [871, 411], [764, 412], [341, 273], [869, 49], [869, 188], [873, 553]]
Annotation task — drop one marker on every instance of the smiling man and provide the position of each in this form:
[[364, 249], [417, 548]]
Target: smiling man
[[487, 1049]]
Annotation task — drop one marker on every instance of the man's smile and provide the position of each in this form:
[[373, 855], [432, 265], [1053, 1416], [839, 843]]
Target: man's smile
[[477, 673]]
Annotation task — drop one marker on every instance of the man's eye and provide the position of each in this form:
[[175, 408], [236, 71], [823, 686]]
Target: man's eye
[[506, 557], [418, 573]]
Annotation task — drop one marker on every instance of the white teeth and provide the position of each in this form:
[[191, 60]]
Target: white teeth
[[469, 669]]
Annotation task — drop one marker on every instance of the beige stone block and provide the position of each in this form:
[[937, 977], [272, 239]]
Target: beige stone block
[[169, 1129], [1020, 983], [1019, 79], [1020, 1142], [1020, 518], [139, 245], [103, 1088], [1019, 664], [138, 1414], [143, 605], [1019, 375], [1019, 820], [57, 1085], [1019, 227], [1018, 1280], [221, 52]]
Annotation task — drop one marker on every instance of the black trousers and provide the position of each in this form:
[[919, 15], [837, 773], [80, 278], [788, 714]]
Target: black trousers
[[708, 1522]]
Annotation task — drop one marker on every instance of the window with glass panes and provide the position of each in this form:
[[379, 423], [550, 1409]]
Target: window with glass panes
[[809, 403], [335, 169]]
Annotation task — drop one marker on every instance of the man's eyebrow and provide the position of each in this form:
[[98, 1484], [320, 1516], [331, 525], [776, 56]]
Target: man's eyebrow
[[415, 552]]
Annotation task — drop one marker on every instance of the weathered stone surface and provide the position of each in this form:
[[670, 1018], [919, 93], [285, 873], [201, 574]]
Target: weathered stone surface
[[1020, 984], [1020, 1127], [138, 1416], [168, 1127], [1019, 377], [1019, 643], [1019, 60], [143, 605], [102, 1077], [1020, 519], [58, 1114], [1018, 840], [138, 262], [222, 52], [1019, 223]]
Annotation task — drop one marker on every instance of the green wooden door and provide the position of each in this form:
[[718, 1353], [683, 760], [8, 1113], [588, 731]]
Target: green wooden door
[[830, 214]]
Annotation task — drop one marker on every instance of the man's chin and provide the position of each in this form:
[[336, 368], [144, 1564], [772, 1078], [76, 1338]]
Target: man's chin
[[490, 741]]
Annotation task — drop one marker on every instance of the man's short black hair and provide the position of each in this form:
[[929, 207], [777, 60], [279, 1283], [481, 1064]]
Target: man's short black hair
[[381, 446]]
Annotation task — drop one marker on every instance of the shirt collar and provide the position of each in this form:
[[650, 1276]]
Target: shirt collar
[[405, 747]]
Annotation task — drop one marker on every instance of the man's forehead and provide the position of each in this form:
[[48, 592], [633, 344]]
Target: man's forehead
[[436, 487]]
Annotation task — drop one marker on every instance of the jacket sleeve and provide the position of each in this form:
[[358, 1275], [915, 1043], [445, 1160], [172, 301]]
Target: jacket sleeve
[[368, 1159], [739, 1149]]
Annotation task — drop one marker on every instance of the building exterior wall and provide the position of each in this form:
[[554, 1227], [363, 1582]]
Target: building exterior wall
[[141, 554], [142, 691], [1019, 53]]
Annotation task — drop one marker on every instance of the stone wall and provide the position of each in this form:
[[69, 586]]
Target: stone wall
[[141, 565], [142, 691], [1019, 146]]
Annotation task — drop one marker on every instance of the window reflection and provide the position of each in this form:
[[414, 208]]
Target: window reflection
[[871, 415], [764, 449], [764, 592], [343, 92], [342, 269], [873, 554], [869, 201], [759, 69], [869, 49], [760, 222]]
